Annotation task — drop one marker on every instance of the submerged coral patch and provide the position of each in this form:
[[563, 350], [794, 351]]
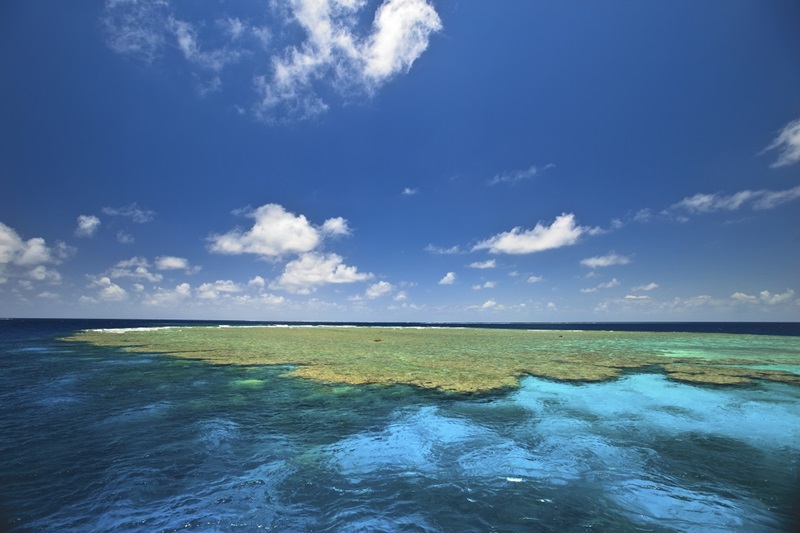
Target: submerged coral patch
[[468, 360]]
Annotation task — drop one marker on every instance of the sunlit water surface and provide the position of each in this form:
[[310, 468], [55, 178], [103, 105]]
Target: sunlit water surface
[[97, 439]]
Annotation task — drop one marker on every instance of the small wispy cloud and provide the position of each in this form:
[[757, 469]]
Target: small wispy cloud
[[759, 200], [335, 227], [132, 211], [646, 287], [605, 260], [408, 191], [438, 250], [186, 36], [518, 175], [787, 144], [125, 238], [136, 28], [491, 263], [448, 279], [87, 226], [608, 285], [42, 273], [488, 304], [171, 262]]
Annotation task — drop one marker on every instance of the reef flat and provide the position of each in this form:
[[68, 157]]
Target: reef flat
[[469, 360]]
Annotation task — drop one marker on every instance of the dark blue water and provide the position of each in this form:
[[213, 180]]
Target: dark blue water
[[96, 439]]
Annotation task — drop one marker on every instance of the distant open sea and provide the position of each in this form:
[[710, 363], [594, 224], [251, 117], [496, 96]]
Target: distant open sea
[[94, 438]]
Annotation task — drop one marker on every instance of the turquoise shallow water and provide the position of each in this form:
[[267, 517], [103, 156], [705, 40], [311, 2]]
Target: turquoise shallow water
[[95, 439]]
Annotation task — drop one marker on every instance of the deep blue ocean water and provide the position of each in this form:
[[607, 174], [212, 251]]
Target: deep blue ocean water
[[96, 439]]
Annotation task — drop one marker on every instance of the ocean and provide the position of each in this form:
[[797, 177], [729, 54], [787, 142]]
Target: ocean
[[98, 437]]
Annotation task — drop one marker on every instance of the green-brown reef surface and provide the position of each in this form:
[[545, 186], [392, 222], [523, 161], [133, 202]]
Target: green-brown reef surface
[[469, 359]]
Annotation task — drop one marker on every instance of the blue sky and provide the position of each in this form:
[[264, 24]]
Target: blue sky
[[400, 160]]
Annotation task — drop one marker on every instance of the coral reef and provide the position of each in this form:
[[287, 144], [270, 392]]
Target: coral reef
[[467, 360]]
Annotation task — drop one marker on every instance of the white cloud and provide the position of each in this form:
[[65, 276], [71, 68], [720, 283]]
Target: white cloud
[[233, 26], [166, 297], [775, 299], [257, 282], [787, 143], [186, 38], [636, 297], [213, 85], [132, 211], [742, 297], [605, 261], [212, 291], [262, 35], [334, 52], [765, 297], [276, 232], [304, 274], [33, 252], [646, 287], [759, 200], [534, 279], [271, 299], [400, 34], [487, 285], [608, 285], [169, 262], [136, 27], [491, 263], [643, 215], [42, 273], [562, 232], [401, 296], [772, 199], [125, 238], [490, 304], [135, 268], [408, 191], [335, 226], [143, 28], [62, 251], [13, 250], [448, 279], [109, 291], [516, 176], [87, 226], [708, 203], [47, 295], [443, 251], [378, 289]]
